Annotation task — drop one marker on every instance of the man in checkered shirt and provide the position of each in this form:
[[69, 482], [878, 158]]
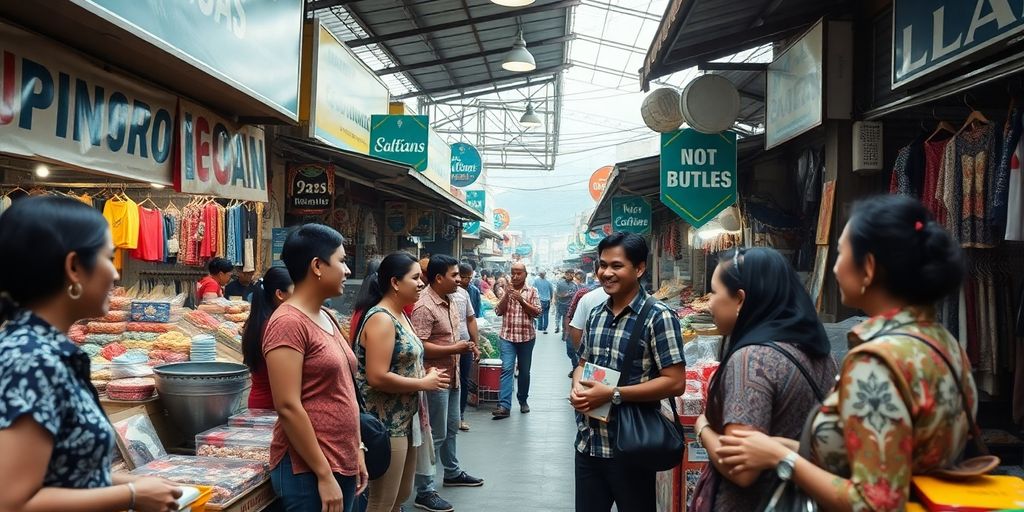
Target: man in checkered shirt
[[601, 480], [517, 309]]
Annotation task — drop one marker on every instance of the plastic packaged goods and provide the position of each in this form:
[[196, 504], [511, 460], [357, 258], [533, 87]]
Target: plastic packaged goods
[[236, 317], [101, 339], [106, 327], [204, 348], [254, 418], [213, 309], [160, 356], [112, 350], [693, 399], [114, 316], [130, 370], [77, 334], [151, 311], [149, 327], [91, 349], [235, 442], [173, 342], [139, 437], [202, 320], [230, 478], [132, 390], [141, 336], [120, 303]]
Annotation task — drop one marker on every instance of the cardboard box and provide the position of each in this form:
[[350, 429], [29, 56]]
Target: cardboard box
[[157, 312], [254, 501]]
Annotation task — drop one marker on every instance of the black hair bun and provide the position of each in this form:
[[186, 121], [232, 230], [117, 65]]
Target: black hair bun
[[942, 265]]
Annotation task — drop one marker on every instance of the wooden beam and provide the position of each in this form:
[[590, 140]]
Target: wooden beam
[[553, 70], [469, 56], [506, 14], [732, 66]]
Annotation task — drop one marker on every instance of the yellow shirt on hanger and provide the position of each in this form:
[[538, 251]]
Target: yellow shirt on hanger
[[123, 217]]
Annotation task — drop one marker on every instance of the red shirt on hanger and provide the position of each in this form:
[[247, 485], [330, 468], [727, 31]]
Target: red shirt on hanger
[[151, 235]]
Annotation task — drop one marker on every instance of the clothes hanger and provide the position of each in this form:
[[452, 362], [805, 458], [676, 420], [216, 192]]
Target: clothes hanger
[[974, 117], [940, 127], [149, 200]]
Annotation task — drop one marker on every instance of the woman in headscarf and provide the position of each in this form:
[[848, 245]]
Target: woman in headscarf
[[776, 367]]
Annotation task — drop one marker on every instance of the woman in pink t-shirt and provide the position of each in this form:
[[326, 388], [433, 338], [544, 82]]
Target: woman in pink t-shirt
[[316, 454]]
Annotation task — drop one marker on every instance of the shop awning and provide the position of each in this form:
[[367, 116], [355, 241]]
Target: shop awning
[[389, 177], [642, 177], [696, 31], [487, 232]]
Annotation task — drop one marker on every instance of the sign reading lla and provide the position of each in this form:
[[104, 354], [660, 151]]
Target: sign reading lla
[[218, 157]]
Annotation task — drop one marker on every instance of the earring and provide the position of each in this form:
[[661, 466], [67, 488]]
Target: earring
[[75, 291], [318, 276], [863, 289]]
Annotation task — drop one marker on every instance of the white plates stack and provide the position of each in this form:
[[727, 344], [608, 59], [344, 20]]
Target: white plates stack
[[204, 348]]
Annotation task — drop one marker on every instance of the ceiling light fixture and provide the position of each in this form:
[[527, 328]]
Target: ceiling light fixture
[[519, 59], [156, 185], [513, 3], [42, 171], [530, 119]]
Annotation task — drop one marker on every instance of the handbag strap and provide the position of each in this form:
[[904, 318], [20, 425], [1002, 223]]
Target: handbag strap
[[818, 393], [634, 351], [979, 444]]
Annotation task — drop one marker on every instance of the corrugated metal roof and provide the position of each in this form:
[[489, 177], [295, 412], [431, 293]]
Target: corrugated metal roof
[[450, 46], [694, 31]]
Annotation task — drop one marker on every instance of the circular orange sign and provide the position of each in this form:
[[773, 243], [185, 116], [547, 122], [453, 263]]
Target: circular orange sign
[[501, 219], [598, 181]]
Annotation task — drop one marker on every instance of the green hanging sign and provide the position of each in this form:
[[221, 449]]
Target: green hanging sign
[[401, 139], [631, 214], [698, 174]]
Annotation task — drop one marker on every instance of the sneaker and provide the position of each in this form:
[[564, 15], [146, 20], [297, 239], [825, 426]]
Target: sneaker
[[463, 480], [434, 503], [545, 332], [524, 407], [571, 372], [500, 413], [463, 426], [556, 330]]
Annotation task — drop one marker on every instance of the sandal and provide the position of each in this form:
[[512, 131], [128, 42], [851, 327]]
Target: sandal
[[463, 426]]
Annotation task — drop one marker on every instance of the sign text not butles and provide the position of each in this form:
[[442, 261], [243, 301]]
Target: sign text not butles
[[931, 34], [310, 188], [218, 157], [631, 214], [698, 174], [59, 106]]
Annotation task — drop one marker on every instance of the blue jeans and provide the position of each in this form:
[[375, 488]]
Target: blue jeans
[[299, 493], [465, 369], [443, 407], [545, 313], [574, 356], [561, 310], [509, 353]]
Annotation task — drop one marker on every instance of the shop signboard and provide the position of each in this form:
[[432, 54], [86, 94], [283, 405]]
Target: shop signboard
[[60, 107], [466, 164], [310, 188], [401, 139], [477, 200], [928, 35], [698, 174], [252, 46], [344, 96], [593, 237], [631, 214], [575, 248], [218, 157], [422, 225], [598, 182], [524, 249], [501, 219], [794, 89], [439, 160], [396, 217], [278, 236]]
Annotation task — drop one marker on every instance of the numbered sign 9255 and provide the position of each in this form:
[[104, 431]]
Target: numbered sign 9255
[[310, 188]]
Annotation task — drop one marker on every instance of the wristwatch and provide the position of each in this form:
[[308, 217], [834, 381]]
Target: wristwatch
[[786, 466], [616, 397]]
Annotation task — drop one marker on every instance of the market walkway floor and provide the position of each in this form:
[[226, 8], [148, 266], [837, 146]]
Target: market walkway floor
[[526, 460]]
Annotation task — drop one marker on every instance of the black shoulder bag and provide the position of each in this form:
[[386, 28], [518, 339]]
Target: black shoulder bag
[[644, 437], [374, 434]]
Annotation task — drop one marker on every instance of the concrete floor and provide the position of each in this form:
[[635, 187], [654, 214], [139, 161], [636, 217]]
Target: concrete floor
[[526, 460]]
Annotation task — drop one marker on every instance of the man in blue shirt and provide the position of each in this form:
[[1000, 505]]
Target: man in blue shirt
[[465, 361], [546, 292]]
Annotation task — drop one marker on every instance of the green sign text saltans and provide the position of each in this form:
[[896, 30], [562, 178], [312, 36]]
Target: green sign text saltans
[[698, 174], [401, 139], [631, 214]]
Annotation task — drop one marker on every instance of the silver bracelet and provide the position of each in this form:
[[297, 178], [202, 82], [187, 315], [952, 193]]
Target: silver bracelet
[[131, 502]]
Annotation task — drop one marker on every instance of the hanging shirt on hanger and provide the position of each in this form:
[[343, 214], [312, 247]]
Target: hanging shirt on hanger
[[151, 235], [1015, 196], [975, 151]]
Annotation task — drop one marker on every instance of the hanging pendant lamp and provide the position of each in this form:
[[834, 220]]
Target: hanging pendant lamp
[[530, 119], [519, 59]]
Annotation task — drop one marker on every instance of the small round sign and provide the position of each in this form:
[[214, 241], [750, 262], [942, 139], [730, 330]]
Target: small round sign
[[598, 182]]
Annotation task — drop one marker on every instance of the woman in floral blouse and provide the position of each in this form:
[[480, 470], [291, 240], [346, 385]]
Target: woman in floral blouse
[[391, 374], [896, 410], [57, 444]]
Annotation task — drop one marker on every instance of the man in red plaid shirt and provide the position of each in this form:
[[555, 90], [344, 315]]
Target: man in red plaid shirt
[[518, 308]]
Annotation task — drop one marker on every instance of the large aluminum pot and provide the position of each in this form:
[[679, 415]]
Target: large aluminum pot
[[201, 395]]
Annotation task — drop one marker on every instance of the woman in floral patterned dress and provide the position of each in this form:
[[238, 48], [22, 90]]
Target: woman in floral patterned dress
[[391, 374], [57, 444], [896, 410]]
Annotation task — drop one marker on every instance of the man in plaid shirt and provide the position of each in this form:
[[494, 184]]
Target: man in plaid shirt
[[518, 308], [601, 480]]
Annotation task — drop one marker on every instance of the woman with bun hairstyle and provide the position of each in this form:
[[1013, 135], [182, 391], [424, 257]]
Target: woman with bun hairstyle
[[57, 444], [897, 408], [316, 456], [269, 292], [391, 374]]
